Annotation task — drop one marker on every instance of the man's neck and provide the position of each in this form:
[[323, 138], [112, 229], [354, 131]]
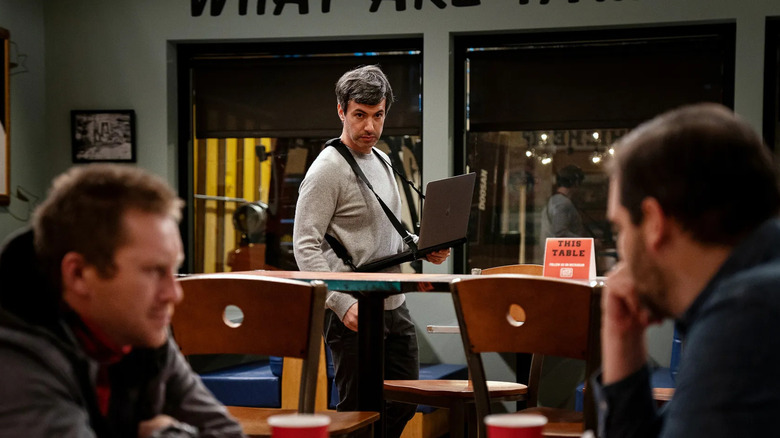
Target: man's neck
[[693, 267], [94, 341], [346, 140]]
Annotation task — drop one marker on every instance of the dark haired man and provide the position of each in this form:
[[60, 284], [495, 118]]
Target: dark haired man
[[560, 217], [704, 249], [333, 200], [87, 296]]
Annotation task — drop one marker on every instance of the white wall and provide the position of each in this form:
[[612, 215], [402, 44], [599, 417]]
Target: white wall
[[115, 54], [24, 20]]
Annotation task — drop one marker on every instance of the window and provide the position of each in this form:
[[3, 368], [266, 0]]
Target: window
[[535, 104], [259, 116]]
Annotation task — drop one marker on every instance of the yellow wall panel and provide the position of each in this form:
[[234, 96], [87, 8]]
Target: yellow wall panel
[[241, 175], [209, 235]]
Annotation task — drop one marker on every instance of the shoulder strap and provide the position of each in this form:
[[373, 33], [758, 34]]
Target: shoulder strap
[[340, 251], [342, 149], [400, 175]]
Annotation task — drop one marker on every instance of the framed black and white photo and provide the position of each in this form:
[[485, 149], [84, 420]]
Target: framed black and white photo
[[5, 118], [103, 135]]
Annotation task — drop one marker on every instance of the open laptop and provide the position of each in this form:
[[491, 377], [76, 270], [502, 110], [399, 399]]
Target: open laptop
[[445, 220]]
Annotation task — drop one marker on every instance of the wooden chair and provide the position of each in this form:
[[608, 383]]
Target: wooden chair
[[527, 269], [277, 317], [542, 316], [456, 395], [523, 361], [453, 395]]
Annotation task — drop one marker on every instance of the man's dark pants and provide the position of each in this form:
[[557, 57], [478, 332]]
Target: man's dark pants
[[401, 362]]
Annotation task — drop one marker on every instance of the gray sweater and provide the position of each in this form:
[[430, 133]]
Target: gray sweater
[[333, 200]]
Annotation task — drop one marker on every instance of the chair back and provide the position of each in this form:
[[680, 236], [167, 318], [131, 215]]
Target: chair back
[[277, 317], [522, 268], [537, 315]]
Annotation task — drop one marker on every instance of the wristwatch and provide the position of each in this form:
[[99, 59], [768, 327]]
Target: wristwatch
[[176, 430]]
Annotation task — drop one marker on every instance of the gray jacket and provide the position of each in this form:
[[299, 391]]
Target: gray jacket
[[728, 384], [48, 383]]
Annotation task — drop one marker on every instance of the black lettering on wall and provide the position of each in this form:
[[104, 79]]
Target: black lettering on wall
[[400, 5], [198, 6], [439, 3], [303, 6], [544, 2], [243, 6]]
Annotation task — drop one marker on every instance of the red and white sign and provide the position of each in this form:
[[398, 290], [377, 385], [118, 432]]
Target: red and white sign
[[571, 259]]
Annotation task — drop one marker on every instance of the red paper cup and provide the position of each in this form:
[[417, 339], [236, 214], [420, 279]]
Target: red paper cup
[[515, 425], [299, 426]]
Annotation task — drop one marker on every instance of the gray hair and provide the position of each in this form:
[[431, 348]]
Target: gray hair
[[366, 85]]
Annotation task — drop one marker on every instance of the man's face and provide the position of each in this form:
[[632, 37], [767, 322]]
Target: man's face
[[134, 307], [362, 125], [648, 277]]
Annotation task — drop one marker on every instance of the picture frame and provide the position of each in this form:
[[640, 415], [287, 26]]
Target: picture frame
[[103, 136], [5, 118]]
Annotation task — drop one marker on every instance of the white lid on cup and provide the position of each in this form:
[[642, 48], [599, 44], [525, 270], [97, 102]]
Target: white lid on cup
[[298, 420], [515, 420]]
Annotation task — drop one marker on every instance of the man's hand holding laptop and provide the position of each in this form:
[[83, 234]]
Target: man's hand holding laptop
[[438, 257]]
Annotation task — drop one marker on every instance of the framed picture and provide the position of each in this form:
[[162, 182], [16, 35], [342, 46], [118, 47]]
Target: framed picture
[[5, 119], [103, 135]]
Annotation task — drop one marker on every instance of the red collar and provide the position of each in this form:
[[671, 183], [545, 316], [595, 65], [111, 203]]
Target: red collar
[[96, 344]]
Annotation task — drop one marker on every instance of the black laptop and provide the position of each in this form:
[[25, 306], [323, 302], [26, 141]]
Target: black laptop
[[445, 220]]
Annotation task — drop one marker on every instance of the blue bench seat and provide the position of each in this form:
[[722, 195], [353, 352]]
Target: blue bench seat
[[254, 384], [659, 378]]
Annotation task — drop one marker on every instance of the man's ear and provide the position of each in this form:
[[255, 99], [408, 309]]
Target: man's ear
[[73, 268], [341, 112], [655, 224]]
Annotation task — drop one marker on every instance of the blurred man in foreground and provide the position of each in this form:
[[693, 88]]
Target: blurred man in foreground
[[694, 197], [87, 296]]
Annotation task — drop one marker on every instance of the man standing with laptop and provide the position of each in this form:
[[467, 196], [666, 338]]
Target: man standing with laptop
[[340, 218]]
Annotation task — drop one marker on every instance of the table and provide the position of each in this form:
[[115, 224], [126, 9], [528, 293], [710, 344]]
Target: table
[[341, 423], [370, 289]]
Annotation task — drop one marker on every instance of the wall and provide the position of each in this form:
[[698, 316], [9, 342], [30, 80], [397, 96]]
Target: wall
[[29, 162], [121, 54]]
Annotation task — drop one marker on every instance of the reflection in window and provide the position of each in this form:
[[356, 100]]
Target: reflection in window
[[260, 114], [517, 178], [538, 104]]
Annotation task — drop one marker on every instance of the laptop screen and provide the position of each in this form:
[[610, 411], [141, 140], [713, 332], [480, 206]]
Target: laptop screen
[[446, 210]]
